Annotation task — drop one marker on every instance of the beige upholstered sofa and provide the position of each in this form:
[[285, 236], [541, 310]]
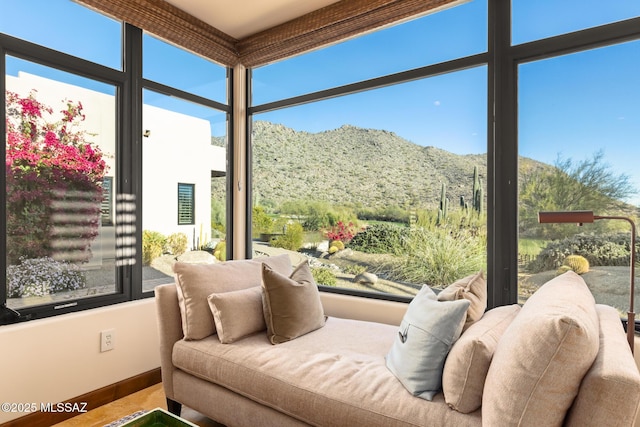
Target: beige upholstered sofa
[[559, 360]]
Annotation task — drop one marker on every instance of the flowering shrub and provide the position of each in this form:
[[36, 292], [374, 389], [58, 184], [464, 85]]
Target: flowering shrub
[[342, 232], [37, 277], [50, 169]]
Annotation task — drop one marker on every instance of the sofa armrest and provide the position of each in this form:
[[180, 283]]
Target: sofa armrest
[[610, 391], [170, 330]]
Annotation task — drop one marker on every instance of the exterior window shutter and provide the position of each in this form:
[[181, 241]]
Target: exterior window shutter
[[186, 204]]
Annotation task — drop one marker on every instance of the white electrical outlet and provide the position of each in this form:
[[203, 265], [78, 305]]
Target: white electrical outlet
[[107, 340]]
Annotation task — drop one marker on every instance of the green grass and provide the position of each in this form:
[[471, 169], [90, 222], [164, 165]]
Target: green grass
[[531, 247]]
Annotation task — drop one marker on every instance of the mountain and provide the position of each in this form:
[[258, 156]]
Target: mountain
[[356, 166]]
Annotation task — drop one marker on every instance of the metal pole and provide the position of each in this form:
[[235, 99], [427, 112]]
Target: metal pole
[[631, 322]]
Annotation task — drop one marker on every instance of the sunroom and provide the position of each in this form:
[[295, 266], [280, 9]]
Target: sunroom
[[425, 136]]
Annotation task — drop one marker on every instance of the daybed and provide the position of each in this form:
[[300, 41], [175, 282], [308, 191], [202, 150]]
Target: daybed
[[559, 360]]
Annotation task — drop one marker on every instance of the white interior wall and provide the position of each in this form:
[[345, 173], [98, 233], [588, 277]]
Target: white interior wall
[[59, 358]]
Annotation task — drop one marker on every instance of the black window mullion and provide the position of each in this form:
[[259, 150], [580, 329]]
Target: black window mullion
[[502, 161], [130, 160], [6, 315]]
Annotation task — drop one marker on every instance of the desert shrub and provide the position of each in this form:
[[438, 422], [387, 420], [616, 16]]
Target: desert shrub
[[153, 243], [380, 239], [577, 263], [220, 251], [438, 257], [606, 249], [260, 221], [354, 269], [292, 238], [316, 219], [176, 243], [324, 276], [218, 217], [42, 276], [386, 213]]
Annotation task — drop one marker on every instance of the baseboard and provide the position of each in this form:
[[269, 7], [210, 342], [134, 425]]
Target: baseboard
[[93, 400]]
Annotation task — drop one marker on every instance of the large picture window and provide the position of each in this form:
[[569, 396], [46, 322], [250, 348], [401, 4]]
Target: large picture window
[[60, 144], [79, 133], [383, 190], [184, 147], [578, 126]]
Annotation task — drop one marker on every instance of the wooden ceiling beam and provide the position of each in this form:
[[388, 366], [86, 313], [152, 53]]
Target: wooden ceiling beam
[[328, 25]]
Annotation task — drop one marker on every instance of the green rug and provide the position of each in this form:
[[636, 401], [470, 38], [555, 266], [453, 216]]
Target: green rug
[[125, 419]]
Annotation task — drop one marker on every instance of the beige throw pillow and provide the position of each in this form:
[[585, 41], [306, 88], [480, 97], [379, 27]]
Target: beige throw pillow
[[195, 282], [472, 288], [291, 304], [237, 313], [466, 367], [543, 356], [612, 384]]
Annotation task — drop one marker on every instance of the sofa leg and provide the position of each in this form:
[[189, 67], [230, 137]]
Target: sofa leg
[[174, 407]]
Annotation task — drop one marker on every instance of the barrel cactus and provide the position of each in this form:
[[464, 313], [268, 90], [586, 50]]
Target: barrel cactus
[[577, 263]]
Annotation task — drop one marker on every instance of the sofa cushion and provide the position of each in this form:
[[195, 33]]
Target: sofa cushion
[[291, 304], [334, 376], [466, 367], [195, 282], [543, 355], [237, 314], [472, 288], [427, 332], [612, 384]]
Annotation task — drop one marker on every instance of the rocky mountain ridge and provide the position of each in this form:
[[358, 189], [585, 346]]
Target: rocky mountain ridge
[[358, 167]]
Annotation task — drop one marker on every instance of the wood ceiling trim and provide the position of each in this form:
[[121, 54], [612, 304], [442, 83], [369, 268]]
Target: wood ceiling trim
[[169, 23], [325, 26], [331, 24]]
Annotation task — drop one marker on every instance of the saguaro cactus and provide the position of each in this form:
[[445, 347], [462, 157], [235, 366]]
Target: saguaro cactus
[[444, 204], [478, 193]]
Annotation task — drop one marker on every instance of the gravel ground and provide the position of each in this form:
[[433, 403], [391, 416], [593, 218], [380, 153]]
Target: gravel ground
[[609, 285]]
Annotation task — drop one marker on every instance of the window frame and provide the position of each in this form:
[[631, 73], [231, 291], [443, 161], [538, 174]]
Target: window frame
[[501, 59], [128, 84], [11, 46]]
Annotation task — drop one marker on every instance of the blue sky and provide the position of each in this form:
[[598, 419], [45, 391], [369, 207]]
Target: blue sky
[[571, 106]]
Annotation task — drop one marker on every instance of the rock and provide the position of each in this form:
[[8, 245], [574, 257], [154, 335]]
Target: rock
[[197, 257], [343, 253], [366, 278], [323, 246]]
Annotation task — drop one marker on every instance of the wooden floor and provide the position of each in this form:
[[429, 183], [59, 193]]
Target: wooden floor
[[147, 399]]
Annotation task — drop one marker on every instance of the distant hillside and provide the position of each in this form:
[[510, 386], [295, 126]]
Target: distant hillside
[[351, 165]]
